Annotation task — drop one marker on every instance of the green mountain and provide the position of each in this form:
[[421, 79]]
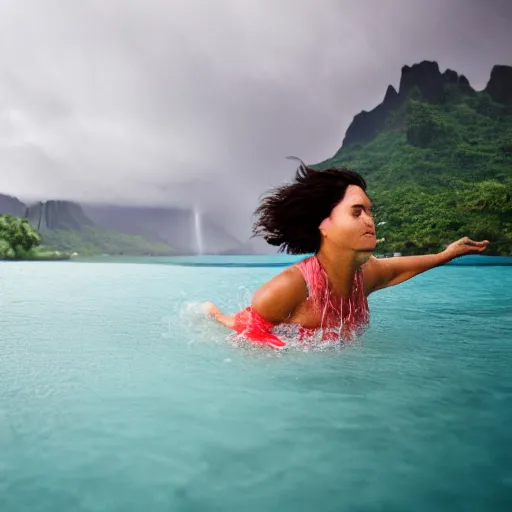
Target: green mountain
[[63, 226], [437, 156], [91, 241], [91, 229]]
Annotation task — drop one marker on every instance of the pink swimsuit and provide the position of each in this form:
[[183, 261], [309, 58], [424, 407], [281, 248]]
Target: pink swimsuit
[[341, 319]]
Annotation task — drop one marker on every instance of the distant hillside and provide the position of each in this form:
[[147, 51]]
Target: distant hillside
[[11, 205], [91, 241], [111, 229], [49, 215], [187, 232], [63, 226], [437, 156]]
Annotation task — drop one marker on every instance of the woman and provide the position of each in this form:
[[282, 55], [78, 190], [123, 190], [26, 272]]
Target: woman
[[327, 214]]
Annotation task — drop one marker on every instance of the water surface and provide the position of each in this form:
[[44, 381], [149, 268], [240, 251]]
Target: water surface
[[116, 394]]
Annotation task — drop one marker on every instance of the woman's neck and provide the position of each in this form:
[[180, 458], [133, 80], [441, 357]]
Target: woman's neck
[[340, 267]]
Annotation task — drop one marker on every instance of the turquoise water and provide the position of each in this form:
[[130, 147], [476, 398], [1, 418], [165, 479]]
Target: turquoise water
[[116, 394], [269, 260]]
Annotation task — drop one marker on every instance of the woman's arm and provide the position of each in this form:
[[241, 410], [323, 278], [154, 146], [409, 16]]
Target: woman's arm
[[385, 272], [214, 312], [271, 305]]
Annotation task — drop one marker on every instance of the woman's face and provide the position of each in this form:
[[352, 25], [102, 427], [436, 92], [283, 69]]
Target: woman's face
[[351, 225]]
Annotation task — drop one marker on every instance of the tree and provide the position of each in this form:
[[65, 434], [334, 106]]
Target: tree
[[17, 237]]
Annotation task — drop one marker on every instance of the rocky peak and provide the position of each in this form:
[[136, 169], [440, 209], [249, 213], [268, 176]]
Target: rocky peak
[[57, 215], [425, 77], [366, 124], [463, 81], [499, 86], [391, 94], [428, 78], [11, 205], [451, 76], [417, 74]]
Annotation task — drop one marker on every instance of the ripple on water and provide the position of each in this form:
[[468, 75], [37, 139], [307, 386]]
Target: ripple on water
[[118, 394]]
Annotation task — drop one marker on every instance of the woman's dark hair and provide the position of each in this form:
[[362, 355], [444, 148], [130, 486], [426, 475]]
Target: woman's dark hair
[[289, 216]]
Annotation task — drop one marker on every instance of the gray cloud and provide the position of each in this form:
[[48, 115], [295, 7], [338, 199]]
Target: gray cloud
[[198, 102]]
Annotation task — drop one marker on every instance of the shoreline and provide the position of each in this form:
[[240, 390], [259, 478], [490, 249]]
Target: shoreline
[[263, 260], [234, 260]]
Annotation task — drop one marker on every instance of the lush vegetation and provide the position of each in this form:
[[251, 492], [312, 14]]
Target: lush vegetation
[[19, 241], [91, 241], [439, 171]]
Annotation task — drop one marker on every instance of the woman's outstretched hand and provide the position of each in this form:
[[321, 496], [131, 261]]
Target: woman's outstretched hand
[[214, 312], [211, 309], [465, 246]]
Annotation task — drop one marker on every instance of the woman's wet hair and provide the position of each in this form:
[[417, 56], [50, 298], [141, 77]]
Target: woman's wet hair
[[289, 216]]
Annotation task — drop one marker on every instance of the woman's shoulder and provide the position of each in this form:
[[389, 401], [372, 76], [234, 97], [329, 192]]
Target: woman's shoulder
[[279, 297]]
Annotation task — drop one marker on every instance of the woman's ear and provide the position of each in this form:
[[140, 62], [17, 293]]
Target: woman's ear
[[324, 226]]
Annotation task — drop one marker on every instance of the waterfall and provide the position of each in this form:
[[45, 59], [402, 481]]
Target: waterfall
[[198, 231]]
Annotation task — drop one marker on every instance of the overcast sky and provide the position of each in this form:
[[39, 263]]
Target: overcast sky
[[200, 101]]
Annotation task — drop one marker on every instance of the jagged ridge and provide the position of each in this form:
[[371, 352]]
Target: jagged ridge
[[438, 164], [433, 86]]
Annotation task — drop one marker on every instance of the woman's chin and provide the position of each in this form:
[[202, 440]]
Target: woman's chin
[[363, 255], [369, 246]]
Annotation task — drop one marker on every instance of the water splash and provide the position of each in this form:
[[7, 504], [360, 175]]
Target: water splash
[[194, 317]]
